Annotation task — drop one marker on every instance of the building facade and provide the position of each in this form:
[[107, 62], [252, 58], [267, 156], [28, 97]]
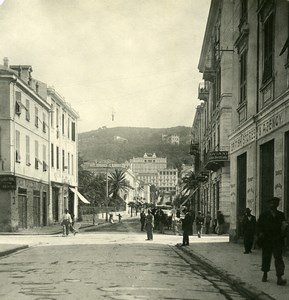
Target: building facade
[[63, 157], [212, 123], [259, 141], [25, 138]]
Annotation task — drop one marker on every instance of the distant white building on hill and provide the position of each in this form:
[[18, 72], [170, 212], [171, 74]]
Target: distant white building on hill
[[119, 139], [171, 139]]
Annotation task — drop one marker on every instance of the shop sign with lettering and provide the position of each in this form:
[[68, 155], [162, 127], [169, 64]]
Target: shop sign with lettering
[[8, 182], [271, 123], [243, 139], [218, 156]]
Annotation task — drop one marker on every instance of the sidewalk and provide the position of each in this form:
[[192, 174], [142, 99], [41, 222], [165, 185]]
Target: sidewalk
[[242, 270]]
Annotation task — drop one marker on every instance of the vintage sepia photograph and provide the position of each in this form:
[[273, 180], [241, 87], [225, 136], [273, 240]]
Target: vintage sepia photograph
[[144, 149]]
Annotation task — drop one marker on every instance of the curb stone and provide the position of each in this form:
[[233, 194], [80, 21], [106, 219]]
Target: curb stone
[[247, 289], [10, 251]]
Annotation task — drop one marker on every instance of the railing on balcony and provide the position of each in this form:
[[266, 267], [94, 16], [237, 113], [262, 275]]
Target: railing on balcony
[[214, 160], [194, 149], [203, 92]]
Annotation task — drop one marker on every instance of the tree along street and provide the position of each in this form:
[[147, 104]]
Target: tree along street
[[108, 262]]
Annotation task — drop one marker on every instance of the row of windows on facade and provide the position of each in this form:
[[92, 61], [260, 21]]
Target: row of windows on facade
[[69, 159], [70, 124]]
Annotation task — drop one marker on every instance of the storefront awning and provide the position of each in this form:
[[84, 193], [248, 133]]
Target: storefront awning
[[82, 198]]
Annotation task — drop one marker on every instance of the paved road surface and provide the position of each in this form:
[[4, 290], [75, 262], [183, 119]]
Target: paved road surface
[[111, 262]]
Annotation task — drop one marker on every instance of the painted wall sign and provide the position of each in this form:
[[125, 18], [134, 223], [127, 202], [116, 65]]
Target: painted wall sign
[[243, 139], [271, 123]]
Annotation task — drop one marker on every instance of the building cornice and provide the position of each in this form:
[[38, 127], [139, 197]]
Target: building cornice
[[56, 96], [26, 88], [208, 33]]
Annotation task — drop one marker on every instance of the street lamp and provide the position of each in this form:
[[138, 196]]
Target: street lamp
[[106, 193]]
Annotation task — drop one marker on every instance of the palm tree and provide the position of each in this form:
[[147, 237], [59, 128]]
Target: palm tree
[[117, 184], [189, 182]]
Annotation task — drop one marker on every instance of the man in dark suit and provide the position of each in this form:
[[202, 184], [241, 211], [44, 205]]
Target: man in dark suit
[[186, 227], [249, 228], [271, 231]]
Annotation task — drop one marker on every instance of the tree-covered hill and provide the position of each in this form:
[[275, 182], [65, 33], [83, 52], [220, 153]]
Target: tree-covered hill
[[100, 144]]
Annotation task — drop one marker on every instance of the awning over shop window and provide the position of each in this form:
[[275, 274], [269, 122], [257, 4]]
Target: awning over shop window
[[82, 198]]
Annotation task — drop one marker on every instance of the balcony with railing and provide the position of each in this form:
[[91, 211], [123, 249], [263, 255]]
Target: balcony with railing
[[215, 160], [194, 149], [203, 92]]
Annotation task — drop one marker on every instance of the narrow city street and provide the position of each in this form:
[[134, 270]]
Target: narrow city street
[[107, 262]]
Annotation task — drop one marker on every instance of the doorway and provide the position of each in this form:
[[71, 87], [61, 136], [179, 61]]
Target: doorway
[[44, 209], [36, 208], [22, 211], [266, 174], [241, 190]]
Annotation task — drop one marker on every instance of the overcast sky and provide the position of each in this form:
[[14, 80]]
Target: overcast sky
[[134, 59]]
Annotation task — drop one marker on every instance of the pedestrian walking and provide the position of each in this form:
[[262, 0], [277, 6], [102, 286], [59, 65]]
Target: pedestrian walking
[[249, 230], [199, 224], [142, 219], [208, 219], [220, 223], [111, 216], [119, 218], [187, 228], [149, 225], [272, 228], [67, 224]]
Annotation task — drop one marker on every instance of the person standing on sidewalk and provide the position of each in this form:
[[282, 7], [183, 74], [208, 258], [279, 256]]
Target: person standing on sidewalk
[[199, 224], [142, 219], [208, 219], [249, 230], [149, 225], [187, 228], [271, 232], [221, 222]]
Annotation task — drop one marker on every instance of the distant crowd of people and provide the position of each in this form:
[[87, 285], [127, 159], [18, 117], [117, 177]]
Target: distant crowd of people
[[158, 220]]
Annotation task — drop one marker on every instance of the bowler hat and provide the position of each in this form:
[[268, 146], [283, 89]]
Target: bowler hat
[[248, 209], [274, 199]]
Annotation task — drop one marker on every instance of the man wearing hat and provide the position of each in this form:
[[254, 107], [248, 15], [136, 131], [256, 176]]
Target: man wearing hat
[[186, 227], [271, 232], [249, 228]]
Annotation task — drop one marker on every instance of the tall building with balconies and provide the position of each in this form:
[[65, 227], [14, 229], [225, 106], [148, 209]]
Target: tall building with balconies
[[27, 158], [212, 125]]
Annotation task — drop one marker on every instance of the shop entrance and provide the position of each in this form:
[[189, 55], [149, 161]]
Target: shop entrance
[[55, 204], [241, 190], [36, 208], [44, 208], [266, 174], [22, 211]]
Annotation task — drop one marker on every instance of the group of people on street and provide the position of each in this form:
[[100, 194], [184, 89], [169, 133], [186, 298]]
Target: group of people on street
[[270, 231]]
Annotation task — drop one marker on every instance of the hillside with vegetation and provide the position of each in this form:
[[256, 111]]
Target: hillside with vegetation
[[100, 144]]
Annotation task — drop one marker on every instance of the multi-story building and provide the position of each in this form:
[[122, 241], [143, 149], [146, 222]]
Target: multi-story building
[[63, 157], [259, 141], [25, 158], [146, 168], [212, 124], [168, 180]]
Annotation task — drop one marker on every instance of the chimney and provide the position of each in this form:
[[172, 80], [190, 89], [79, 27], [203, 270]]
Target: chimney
[[6, 62]]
